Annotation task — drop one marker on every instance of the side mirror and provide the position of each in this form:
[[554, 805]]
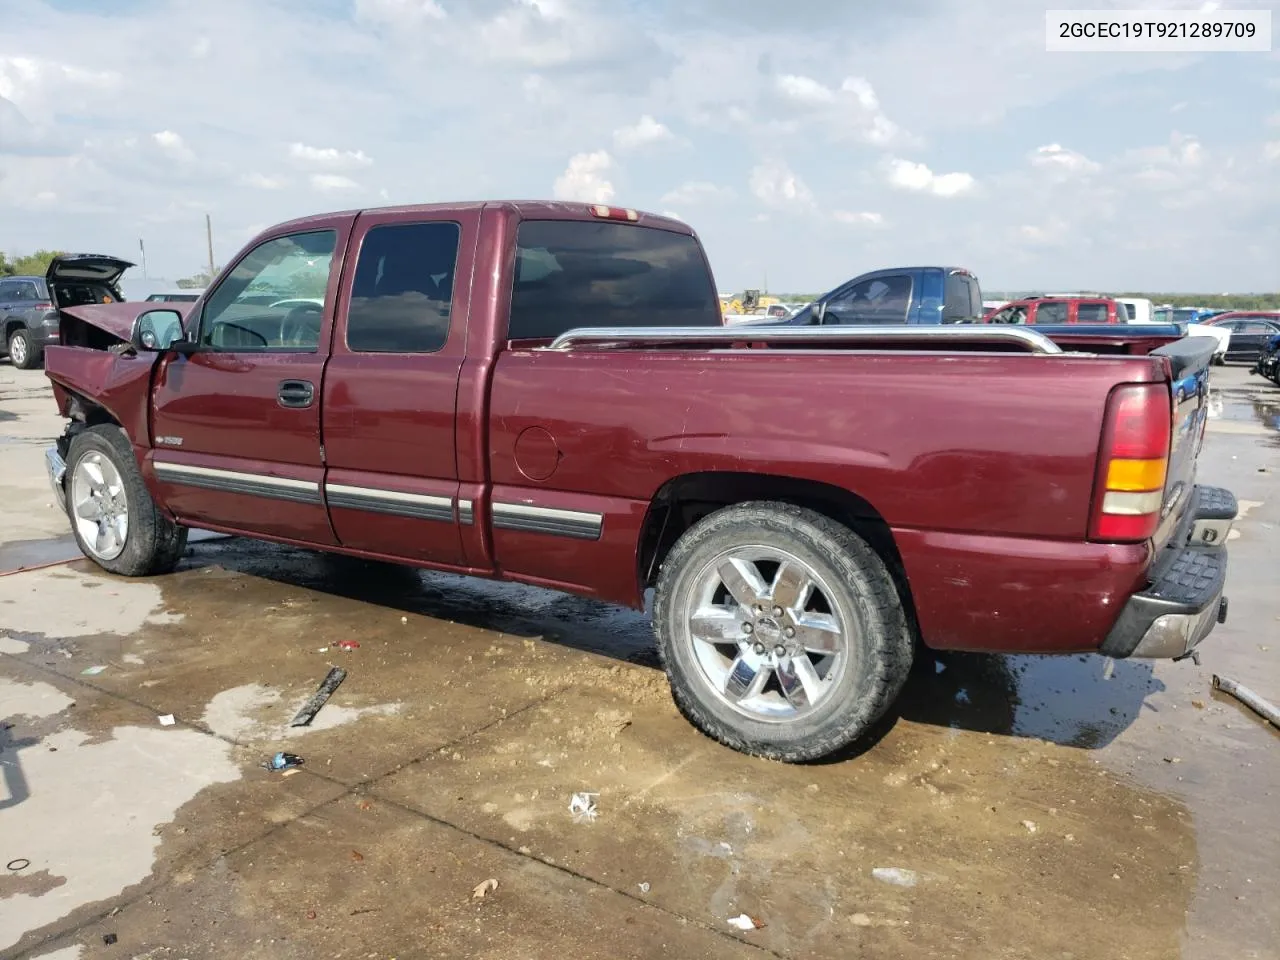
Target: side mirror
[[817, 312], [157, 330]]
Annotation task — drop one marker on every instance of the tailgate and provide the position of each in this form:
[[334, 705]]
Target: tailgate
[[1189, 359]]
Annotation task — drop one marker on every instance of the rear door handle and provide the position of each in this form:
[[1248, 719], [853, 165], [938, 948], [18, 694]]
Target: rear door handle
[[296, 393]]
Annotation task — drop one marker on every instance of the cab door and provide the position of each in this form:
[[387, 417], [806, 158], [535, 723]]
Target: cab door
[[391, 386], [236, 425]]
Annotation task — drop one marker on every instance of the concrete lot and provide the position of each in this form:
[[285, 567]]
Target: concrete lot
[[1049, 808]]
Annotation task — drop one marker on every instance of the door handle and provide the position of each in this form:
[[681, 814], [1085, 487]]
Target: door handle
[[296, 393]]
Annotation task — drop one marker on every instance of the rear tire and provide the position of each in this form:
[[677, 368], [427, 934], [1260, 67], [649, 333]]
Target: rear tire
[[781, 631], [23, 353], [116, 523]]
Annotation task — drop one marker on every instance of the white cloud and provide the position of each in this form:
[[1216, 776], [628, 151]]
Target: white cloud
[[1271, 150], [672, 214], [200, 49], [1059, 159], [584, 178], [399, 12], [697, 191], [804, 89], [918, 178], [173, 145], [774, 184], [862, 91], [863, 218], [328, 158], [262, 182], [332, 183], [34, 84], [645, 132]]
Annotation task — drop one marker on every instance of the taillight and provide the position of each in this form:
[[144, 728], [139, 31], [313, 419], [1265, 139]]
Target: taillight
[[1133, 468], [42, 306]]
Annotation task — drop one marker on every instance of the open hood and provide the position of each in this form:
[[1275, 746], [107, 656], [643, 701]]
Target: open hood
[[117, 318], [92, 267]]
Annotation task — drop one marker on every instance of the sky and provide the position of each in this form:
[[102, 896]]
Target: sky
[[806, 142]]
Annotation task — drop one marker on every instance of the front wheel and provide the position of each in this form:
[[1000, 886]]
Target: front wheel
[[114, 519], [781, 631]]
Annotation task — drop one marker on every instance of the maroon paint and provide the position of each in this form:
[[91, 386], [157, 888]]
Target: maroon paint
[[982, 464]]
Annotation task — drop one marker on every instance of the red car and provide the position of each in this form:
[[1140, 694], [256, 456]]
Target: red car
[[1044, 310], [807, 503]]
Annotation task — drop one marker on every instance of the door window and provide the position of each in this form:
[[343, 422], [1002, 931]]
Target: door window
[[878, 300], [962, 298], [274, 299], [1016, 314], [19, 290], [403, 289], [1051, 312]]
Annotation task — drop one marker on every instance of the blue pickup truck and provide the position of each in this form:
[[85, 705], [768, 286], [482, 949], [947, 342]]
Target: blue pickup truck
[[917, 295]]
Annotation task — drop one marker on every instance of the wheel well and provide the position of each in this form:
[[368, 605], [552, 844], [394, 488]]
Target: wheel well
[[9, 327], [682, 502], [82, 410]]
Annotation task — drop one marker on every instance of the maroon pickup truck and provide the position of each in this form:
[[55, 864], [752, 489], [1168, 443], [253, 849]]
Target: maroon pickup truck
[[543, 392]]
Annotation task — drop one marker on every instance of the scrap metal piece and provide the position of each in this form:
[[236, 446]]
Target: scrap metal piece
[[1264, 708], [319, 698]]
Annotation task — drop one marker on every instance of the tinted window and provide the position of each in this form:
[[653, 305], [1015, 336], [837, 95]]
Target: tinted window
[[23, 290], [1091, 313], [1130, 310], [1052, 312], [962, 298], [1184, 315], [1017, 315], [577, 274], [1254, 327], [274, 299], [878, 300], [403, 289]]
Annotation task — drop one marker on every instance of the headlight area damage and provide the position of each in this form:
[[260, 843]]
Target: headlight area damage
[[97, 379]]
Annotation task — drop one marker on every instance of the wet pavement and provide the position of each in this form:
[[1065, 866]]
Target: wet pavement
[[1040, 807]]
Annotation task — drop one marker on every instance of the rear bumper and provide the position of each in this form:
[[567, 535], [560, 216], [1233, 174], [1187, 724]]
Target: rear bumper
[[1185, 600]]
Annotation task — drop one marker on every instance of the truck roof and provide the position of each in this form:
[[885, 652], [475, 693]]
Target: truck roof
[[524, 209]]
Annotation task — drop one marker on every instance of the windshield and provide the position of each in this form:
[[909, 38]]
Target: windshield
[[1185, 315]]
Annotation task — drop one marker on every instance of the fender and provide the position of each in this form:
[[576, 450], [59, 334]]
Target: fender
[[120, 385]]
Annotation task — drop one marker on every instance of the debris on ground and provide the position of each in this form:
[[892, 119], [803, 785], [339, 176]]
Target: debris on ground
[[109, 938], [896, 876], [16, 866], [482, 890], [323, 650], [745, 922], [1172, 759], [167, 720], [357, 856], [311, 914], [1198, 704], [1269, 711], [861, 920], [284, 761], [644, 888], [348, 644], [1030, 825], [583, 806], [327, 686], [92, 671]]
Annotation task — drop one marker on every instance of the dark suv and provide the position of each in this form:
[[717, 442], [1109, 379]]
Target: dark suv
[[29, 313]]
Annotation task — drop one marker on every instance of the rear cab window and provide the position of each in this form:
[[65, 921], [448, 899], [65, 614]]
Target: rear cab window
[[1094, 312], [574, 273]]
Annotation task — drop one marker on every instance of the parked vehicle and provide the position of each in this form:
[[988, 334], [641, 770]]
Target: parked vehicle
[[1268, 364], [911, 295], [29, 305], [807, 503], [1251, 331], [1035, 311], [1140, 310]]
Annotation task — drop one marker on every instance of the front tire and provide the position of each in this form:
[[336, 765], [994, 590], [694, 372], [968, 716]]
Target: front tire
[[23, 353], [116, 523], [781, 631]]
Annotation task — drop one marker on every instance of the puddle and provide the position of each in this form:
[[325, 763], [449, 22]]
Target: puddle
[[18, 555], [87, 854], [253, 713]]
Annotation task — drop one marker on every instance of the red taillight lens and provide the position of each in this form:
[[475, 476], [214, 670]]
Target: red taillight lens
[[42, 306], [606, 212], [1133, 467]]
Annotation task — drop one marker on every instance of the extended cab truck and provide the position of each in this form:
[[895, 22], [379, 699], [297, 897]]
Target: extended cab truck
[[806, 503], [911, 295]]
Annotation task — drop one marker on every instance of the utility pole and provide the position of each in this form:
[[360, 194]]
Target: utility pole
[[143, 247], [208, 229]]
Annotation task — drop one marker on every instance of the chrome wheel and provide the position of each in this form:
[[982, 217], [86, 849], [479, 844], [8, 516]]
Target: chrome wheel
[[99, 507], [768, 633], [18, 350]]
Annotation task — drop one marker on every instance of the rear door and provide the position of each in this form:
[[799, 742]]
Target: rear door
[[1248, 338], [391, 386], [236, 426]]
